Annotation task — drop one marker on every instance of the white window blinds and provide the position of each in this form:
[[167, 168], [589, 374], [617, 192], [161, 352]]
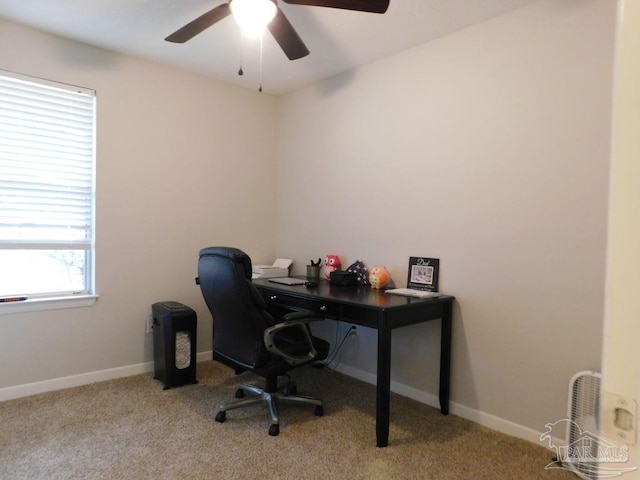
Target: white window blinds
[[46, 164]]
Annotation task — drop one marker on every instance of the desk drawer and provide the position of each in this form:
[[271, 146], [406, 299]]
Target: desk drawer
[[300, 304]]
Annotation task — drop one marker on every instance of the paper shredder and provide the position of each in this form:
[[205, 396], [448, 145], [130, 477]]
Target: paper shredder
[[174, 343]]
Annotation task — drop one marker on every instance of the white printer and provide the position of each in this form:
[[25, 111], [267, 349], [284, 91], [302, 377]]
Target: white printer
[[280, 268]]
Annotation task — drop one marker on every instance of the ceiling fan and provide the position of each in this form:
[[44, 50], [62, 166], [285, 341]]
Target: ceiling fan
[[279, 26]]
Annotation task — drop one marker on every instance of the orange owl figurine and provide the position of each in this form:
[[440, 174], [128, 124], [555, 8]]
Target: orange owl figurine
[[331, 264], [379, 277]]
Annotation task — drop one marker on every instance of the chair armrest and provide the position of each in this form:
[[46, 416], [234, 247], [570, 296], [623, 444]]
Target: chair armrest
[[310, 316], [298, 320]]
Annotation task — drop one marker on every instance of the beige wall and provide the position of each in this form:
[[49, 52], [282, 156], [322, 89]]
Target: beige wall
[[489, 150], [621, 368], [183, 162]]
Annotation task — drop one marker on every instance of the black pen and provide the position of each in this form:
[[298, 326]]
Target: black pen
[[12, 299]]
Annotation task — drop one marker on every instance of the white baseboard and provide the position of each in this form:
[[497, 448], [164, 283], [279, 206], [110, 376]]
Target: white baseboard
[[484, 419], [25, 390], [476, 416]]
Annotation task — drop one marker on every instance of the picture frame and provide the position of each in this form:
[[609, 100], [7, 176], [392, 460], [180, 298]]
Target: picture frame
[[423, 273]]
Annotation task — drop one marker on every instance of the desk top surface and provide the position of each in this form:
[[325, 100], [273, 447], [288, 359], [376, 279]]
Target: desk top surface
[[358, 296]]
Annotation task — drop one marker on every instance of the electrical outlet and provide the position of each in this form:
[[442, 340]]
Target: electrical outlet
[[354, 330], [149, 324]]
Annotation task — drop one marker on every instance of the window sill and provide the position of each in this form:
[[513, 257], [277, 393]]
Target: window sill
[[55, 303]]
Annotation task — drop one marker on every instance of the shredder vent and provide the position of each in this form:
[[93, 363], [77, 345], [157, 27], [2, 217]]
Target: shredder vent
[[183, 350]]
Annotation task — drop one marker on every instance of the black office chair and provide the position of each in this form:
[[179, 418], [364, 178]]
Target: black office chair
[[247, 338]]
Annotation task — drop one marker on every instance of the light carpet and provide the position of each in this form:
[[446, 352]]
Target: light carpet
[[131, 428]]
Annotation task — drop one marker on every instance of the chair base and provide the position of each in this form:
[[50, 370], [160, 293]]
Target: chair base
[[272, 399]]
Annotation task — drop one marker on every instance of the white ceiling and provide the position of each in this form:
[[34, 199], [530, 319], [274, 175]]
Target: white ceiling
[[339, 40]]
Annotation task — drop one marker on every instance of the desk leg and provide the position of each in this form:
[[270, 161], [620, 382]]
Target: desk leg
[[383, 391], [445, 359]]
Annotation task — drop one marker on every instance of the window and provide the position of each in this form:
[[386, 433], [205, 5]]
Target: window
[[47, 194]]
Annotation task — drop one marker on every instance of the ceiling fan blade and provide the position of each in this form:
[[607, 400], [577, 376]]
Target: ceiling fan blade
[[287, 37], [372, 6], [200, 24]]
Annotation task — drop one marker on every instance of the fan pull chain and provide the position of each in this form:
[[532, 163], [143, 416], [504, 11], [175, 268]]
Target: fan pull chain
[[261, 48], [240, 71]]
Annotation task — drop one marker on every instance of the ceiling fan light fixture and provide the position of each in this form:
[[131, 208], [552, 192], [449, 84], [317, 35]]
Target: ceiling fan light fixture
[[253, 15]]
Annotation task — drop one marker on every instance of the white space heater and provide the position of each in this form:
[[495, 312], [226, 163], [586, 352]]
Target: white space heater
[[581, 452]]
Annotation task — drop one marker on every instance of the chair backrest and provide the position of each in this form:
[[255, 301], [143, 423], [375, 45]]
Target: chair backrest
[[238, 311]]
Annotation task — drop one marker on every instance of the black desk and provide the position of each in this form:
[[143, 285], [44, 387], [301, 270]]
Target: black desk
[[375, 309]]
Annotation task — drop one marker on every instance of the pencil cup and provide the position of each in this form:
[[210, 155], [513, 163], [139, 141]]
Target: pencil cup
[[313, 273]]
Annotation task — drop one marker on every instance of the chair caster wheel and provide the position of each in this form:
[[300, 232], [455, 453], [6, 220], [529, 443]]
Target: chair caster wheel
[[318, 411], [290, 390], [274, 430], [221, 417], [239, 393]]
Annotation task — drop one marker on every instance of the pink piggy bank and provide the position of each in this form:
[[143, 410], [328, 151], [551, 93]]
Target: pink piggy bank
[[332, 263], [379, 277]]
